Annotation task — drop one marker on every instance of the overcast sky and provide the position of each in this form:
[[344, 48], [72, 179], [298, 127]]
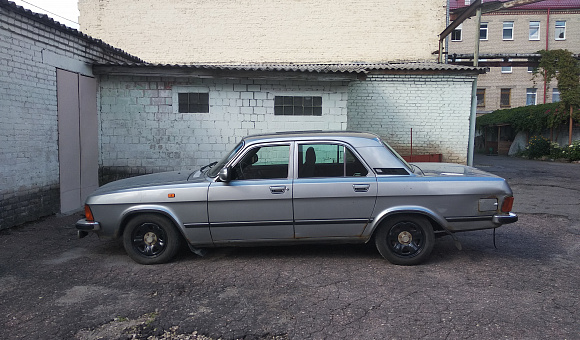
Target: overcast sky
[[64, 11]]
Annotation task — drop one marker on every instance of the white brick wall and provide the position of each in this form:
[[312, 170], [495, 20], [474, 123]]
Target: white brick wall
[[29, 165], [141, 130], [436, 107]]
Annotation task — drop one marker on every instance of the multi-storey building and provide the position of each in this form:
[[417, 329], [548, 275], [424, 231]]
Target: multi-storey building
[[506, 39]]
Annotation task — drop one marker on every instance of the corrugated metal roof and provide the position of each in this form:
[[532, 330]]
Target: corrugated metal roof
[[311, 68], [551, 4], [46, 20]]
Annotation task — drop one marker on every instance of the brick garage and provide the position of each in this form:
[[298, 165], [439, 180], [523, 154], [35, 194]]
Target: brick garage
[[32, 48], [143, 132]]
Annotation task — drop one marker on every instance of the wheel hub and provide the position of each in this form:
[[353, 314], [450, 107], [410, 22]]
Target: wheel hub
[[405, 237], [150, 238]]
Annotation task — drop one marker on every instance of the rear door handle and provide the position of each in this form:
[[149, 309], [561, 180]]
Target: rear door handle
[[361, 187], [278, 189]]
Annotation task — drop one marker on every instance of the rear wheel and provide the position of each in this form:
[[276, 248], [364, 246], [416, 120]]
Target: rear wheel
[[405, 239], [151, 239]]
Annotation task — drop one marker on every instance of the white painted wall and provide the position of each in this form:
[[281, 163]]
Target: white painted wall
[[142, 132], [436, 107]]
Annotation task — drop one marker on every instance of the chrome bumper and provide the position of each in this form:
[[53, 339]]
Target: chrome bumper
[[505, 219], [85, 225]]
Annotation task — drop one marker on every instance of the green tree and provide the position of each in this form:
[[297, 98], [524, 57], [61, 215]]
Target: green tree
[[562, 65]]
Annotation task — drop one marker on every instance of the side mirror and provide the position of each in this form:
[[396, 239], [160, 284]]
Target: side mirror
[[225, 174]]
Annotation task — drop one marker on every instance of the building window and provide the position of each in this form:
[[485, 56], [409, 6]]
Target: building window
[[532, 69], [193, 102], [505, 98], [534, 30], [508, 30], [297, 106], [560, 30], [531, 96], [483, 31], [555, 95], [456, 34], [480, 98], [506, 69]]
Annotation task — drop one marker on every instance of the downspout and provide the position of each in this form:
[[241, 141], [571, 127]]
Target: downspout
[[473, 115]]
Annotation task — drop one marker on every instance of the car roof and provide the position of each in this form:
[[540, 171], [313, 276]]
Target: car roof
[[352, 137]]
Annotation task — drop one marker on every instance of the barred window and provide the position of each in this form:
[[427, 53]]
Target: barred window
[[193, 102], [297, 106], [505, 98]]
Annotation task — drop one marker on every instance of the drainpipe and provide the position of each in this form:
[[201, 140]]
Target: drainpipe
[[472, 116]]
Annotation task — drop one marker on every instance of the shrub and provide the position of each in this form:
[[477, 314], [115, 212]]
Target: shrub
[[572, 151], [538, 147]]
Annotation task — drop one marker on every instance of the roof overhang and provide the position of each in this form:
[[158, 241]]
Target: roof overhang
[[290, 71]]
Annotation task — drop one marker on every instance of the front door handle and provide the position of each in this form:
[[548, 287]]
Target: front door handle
[[361, 187], [278, 189]]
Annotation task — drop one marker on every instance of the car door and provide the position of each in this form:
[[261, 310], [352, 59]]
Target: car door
[[256, 205], [334, 192]]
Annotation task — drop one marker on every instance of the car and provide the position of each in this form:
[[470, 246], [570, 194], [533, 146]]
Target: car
[[295, 188]]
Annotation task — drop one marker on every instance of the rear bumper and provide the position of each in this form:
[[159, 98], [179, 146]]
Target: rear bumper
[[504, 219], [84, 225]]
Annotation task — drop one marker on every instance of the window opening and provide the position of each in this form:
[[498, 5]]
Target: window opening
[[193, 102], [297, 106]]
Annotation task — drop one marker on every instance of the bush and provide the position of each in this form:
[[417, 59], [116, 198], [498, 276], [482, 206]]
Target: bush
[[572, 151], [538, 147]]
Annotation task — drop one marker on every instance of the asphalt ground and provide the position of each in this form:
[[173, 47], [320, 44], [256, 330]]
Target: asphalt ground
[[55, 286]]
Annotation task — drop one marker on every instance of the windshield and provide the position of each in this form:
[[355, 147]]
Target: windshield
[[216, 168], [397, 155]]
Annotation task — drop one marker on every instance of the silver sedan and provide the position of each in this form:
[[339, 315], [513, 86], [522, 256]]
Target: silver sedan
[[302, 187]]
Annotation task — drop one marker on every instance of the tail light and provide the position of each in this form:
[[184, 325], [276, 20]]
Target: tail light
[[507, 204], [88, 213]]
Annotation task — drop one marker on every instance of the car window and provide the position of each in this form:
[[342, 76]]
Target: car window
[[263, 162], [328, 160]]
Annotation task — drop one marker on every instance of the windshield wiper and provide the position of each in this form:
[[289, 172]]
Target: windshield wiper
[[207, 166]]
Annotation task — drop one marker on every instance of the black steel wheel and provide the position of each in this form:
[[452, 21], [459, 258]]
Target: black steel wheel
[[405, 239], [151, 239]]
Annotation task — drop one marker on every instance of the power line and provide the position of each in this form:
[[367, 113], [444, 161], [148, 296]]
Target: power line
[[33, 5]]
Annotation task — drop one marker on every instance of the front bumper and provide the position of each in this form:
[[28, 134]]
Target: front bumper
[[505, 219], [85, 225]]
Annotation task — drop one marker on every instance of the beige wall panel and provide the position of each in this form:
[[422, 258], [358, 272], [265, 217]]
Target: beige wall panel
[[202, 31]]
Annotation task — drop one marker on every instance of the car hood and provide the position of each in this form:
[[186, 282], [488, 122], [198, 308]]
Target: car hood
[[450, 169], [151, 180]]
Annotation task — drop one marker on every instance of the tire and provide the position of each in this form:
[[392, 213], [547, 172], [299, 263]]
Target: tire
[[405, 239], [151, 239]]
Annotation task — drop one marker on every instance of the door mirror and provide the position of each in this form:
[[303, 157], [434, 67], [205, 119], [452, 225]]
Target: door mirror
[[225, 174]]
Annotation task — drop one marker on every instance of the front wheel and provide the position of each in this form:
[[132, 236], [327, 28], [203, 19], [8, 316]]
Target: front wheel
[[151, 239], [405, 239]]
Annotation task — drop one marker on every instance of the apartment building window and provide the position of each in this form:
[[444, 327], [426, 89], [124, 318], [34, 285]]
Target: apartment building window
[[560, 30], [193, 102], [483, 31], [297, 106], [531, 96], [532, 69], [456, 34], [480, 98], [508, 30], [555, 95], [506, 69], [505, 98], [534, 30]]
